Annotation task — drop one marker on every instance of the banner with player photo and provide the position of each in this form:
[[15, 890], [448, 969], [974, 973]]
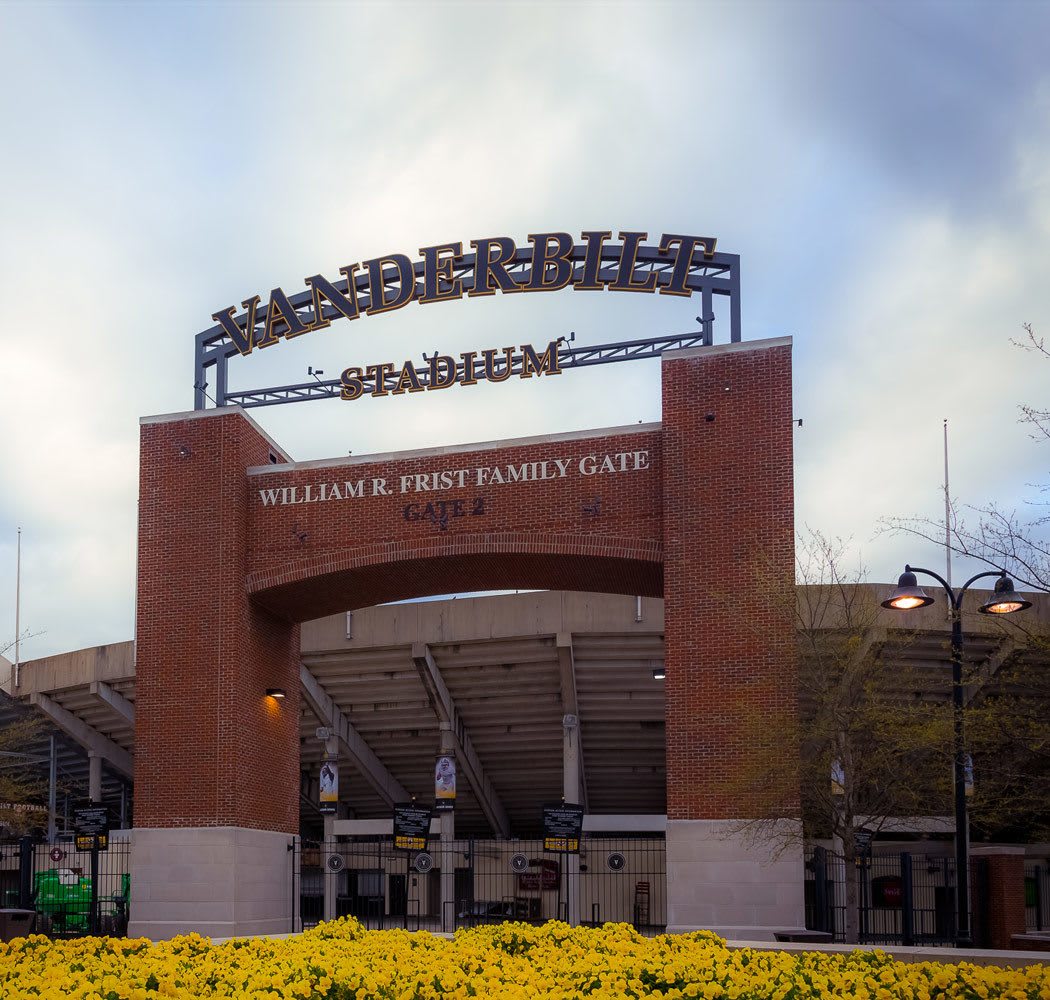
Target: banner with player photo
[[445, 783]]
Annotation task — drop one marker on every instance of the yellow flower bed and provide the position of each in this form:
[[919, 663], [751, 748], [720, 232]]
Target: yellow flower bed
[[341, 961]]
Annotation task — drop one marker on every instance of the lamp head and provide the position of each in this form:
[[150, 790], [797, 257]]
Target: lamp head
[[908, 595], [1004, 600]]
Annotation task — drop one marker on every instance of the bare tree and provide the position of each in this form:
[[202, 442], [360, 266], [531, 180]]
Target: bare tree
[[20, 780], [1008, 718], [1039, 419], [870, 751]]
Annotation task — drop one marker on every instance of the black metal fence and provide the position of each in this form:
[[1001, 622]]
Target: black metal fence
[[1037, 895], [903, 899], [70, 892], [471, 882]]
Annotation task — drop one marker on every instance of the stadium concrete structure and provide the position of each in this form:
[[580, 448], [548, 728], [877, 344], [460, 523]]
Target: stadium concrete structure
[[511, 668]]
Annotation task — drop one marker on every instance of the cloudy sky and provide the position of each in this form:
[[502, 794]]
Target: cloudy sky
[[883, 169]]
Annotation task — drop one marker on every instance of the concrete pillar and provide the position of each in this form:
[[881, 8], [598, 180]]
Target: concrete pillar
[[94, 777], [447, 859], [570, 757], [331, 879]]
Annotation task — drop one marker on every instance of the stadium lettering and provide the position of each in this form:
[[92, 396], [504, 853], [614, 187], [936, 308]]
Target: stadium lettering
[[445, 273]]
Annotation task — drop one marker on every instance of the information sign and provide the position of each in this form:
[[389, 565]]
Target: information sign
[[91, 842], [411, 827], [562, 825], [862, 842], [91, 820]]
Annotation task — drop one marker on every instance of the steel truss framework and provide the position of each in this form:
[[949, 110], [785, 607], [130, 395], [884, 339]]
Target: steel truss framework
[[718, 274]]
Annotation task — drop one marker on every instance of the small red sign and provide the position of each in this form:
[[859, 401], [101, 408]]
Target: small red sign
[[543, 874], [888, 890]]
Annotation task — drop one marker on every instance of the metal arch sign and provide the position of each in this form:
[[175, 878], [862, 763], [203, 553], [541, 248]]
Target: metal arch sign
[[676, 264]]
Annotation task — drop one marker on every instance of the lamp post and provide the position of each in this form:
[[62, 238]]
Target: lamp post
[[908, 596]]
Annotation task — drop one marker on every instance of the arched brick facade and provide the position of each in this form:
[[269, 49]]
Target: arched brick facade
[[237, 546], [593, 531]]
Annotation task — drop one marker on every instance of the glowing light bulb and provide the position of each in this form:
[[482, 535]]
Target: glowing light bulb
[[1003, 607], [907, 603]]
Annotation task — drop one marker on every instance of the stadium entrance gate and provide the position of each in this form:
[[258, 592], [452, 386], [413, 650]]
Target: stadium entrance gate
[[238, 544]]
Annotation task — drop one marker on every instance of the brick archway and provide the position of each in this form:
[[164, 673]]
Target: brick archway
[[362, 577], [237, 545]]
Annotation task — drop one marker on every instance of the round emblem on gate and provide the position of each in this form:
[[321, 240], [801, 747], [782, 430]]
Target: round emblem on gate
[[57, 854], [519, 863], [616, 861], [423, 862], [335, 862]]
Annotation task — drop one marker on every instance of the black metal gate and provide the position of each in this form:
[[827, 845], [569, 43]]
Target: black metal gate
[[472, 881], [1037, 895], [904, 899]]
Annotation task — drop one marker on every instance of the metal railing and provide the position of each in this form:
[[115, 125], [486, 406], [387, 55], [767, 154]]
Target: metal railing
[[903, 899], [470, 882], [1037, 895]]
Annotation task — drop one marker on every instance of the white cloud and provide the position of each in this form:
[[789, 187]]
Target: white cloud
[[165, 162]]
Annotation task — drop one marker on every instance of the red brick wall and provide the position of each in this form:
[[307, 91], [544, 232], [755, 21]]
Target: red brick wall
[[210, 748], [1003, 910], [222, 578], [728, 504], [577, 532]]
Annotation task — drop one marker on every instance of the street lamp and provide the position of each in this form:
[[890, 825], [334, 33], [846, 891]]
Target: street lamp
[[908, 596]]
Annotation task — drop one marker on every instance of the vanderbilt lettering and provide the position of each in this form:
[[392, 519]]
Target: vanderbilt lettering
[[445, 273]]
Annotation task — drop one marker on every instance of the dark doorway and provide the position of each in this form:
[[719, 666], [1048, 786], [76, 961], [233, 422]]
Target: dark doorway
[[398, 896]]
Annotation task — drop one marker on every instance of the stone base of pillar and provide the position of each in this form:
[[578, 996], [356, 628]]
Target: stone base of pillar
[[722, 880], [218, 881]]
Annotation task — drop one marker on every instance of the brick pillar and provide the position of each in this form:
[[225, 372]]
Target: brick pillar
[[730, 645], [216, 760], [1003, 904]]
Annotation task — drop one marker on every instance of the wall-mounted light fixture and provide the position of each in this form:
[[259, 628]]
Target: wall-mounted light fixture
[[275, 692], [659, 673]]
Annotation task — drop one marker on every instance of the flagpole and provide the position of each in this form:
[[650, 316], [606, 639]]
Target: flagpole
[[947, 512], [18, 604]]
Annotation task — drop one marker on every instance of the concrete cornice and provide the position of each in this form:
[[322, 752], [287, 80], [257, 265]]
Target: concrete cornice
[[455, 449], [743, 345], [221, 411]]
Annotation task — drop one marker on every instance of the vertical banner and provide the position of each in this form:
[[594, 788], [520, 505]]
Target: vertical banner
[[329, 787], [838, 778], [445, 783]]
